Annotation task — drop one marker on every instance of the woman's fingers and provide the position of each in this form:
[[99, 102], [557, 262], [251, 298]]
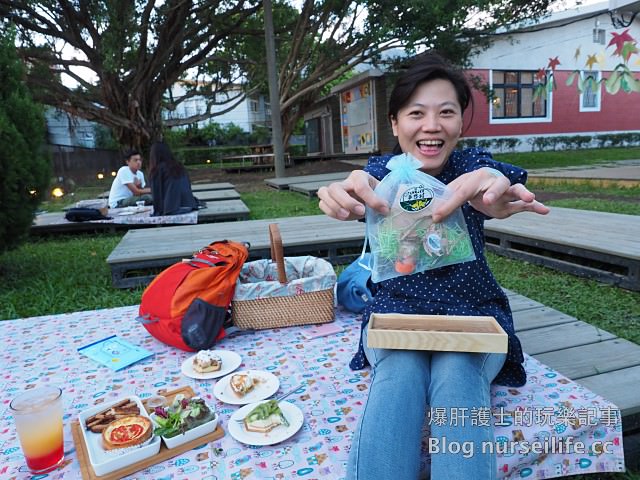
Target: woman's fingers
[[346, 200]]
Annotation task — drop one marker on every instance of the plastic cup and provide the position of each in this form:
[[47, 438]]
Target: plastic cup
[[140, 203], [38, 418]]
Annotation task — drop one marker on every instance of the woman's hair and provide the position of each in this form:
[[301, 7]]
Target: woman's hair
[[430, 66], [160, 154]]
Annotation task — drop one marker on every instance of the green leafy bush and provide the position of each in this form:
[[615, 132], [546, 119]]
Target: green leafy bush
[[24, 164]]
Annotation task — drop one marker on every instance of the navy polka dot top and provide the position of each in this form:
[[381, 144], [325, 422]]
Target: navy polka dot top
[[467, 288]]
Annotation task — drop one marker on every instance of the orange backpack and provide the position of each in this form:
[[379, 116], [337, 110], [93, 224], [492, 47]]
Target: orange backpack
[[187, 304]]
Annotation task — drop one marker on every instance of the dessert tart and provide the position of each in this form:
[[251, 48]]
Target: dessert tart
[[127, 432], [242, 383], [206, 361]]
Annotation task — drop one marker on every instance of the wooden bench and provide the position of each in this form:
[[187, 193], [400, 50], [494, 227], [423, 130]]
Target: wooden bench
[[223, 210], [310, 189], [256, 159], [598, 245], [284, 182]]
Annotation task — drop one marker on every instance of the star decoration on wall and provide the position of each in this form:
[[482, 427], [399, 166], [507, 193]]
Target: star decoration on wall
[[591, 60], [619, 39]]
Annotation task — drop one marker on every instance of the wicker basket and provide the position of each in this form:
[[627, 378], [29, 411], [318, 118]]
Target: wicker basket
[[294, 304]]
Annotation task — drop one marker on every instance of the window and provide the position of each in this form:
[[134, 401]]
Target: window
[[513, 96], [598, 35], [590, 96]]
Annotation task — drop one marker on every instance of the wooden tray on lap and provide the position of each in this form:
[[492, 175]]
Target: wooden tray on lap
[[164, 453], [436, 332]]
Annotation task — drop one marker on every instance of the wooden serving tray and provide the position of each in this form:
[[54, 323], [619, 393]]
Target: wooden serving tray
[[436, 332], [164, 453]]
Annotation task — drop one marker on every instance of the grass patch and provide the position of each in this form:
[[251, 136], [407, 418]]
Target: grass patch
[[597, 205], [610, 308], [276, 204], [66, 274], [539, 185], [568, 158]]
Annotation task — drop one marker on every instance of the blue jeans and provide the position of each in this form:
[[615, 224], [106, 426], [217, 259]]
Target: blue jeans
[[405, 385]]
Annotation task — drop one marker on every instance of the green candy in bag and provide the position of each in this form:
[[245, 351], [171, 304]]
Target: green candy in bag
[[406, 240]]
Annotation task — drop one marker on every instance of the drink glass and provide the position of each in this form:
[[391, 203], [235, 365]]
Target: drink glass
[[38, 417], [140, 203]]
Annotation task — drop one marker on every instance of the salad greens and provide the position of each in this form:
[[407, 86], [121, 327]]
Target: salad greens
[[183, 414]]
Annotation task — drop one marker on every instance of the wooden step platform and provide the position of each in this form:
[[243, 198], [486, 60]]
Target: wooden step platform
[[206, 187], [598, 245], [284, 182], [217, 195], [310, 189], [134, 261], [598, 360], [215, 211], [614, 254]]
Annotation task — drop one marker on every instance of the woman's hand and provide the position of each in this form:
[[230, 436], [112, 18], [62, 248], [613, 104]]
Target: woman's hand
[[491, 193], [346, 200]]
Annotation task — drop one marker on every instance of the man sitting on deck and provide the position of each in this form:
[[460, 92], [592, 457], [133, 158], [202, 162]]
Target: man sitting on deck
[[129, 185]]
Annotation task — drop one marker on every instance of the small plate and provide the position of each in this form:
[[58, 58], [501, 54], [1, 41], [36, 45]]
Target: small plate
[[237, 430], [268, 385], [230, 361]]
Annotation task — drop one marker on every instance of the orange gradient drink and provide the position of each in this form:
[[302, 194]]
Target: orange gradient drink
[[38, 417]]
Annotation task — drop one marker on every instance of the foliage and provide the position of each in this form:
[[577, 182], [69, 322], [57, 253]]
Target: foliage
[[321, 42], [135, 50], [24, 164], [597, 205]]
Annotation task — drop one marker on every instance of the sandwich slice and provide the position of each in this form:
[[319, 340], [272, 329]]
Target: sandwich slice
[[127, 432], [265, 417]]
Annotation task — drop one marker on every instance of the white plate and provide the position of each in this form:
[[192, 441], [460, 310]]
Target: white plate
[[104, 461], [268, 385], [238, 431], [230, 361]]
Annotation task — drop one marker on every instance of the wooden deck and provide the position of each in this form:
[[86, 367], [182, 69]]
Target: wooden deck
[[598, 245], [216, 211], [316, 234], [598, 360], [564, 240], [205, 187], [217, 195], [285, 182]]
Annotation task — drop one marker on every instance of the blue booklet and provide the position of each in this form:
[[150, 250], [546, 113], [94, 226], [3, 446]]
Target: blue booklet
[[114, 352]]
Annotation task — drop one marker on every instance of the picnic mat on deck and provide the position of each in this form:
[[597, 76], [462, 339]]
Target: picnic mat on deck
[[43, 350]]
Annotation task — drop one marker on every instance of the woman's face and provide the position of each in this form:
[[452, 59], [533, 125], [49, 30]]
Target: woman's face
[[430, 124]]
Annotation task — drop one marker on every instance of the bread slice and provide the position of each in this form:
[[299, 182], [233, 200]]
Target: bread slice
[[265, 425], [265, 417], [127, 432]]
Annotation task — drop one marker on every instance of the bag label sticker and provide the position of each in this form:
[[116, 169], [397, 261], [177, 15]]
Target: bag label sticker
[[416, 198]]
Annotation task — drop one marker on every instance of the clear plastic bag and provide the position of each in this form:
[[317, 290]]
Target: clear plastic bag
[[406, 240]]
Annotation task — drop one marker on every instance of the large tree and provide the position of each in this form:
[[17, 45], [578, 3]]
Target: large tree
[[319, 41], [124, 55]]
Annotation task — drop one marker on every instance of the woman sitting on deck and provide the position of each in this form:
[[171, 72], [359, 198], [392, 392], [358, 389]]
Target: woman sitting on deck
[[170, 183]]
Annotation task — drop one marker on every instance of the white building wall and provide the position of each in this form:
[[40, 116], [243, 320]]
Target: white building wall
[[242, 115], [532, 50]]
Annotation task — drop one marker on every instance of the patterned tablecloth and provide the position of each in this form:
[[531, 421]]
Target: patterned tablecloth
[[549, 410]]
